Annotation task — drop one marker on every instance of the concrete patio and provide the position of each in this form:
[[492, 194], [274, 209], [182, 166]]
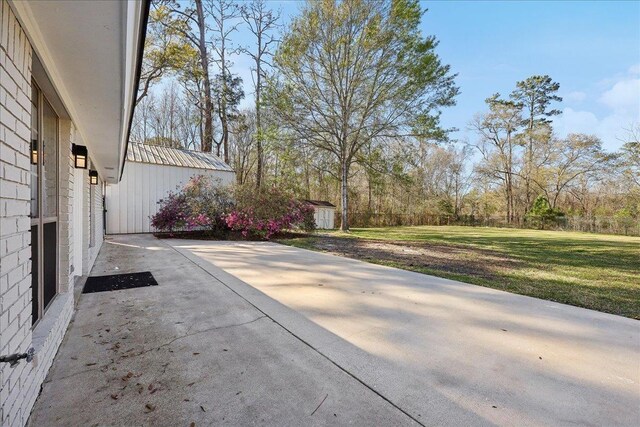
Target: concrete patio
[[259, 333], [191, 350]]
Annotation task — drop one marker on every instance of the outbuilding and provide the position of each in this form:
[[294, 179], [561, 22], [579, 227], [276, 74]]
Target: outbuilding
[[150, 174], [325, 213]]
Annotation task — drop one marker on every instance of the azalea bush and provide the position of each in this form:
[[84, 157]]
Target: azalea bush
[[263, 214], [202, 204], [173, 213], [209, 202]]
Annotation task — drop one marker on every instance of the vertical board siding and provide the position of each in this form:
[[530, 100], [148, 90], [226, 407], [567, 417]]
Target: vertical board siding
[[132, 202], [145, 196], [324, 217], [129, 199], [139, 194]]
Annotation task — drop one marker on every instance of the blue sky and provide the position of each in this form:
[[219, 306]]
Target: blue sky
[[591, 48]]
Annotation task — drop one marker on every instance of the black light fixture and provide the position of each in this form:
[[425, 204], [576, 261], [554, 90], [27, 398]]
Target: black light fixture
[[80, 154], [93, 177], [34, 151]]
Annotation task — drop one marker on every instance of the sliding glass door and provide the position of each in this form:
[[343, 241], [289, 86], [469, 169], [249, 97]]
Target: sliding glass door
[[44, 203]]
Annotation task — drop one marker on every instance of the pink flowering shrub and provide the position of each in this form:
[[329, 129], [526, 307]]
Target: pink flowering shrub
[[206, 206], [267, 213], [173, 213], [200, 205]]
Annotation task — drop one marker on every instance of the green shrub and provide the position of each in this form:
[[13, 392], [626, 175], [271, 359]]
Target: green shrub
[[542, 214]]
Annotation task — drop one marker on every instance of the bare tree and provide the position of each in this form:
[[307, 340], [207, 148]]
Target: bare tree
[[191, 23], [188, 124], [224, 14], [357, 71], [141, 126], [165, 50], [191, 79], [200, 21], [575, 156], [262, 22], [497, 130], [243, 132], [165, 117], [458, 176], [630, 155]]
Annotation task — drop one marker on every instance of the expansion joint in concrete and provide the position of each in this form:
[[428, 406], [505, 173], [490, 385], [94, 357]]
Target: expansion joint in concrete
[[308, 344]]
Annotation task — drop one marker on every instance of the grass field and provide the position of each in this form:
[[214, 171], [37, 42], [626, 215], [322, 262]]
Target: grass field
[[601, 272]]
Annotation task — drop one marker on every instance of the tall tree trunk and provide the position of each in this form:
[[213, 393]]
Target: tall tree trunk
[[307, 175], [223, 102], [456, 211], [261, 22], [225, 139], [509, 196], [344, 223], [369, 204], [239, 175], [258, 119], [529, 161], [201, 129], [511, 206], [207, 141]]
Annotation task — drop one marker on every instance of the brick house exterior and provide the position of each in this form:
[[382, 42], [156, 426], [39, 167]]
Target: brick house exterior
[[78, 204]]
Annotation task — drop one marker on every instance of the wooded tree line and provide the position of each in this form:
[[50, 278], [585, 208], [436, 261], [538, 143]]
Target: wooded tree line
[[347, 99]]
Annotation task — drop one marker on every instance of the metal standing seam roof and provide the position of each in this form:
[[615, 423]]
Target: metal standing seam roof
[[322, 203], [158, 155]]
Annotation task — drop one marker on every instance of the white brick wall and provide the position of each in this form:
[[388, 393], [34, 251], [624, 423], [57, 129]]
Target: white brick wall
[[65, 206], [20, 386], [15, 237], [92, 225]]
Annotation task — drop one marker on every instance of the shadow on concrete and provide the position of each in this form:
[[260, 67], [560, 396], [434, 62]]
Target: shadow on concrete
[[444, 351]]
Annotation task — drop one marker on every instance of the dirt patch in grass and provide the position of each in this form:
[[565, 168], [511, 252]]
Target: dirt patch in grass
[[453, 259], [576, 269]]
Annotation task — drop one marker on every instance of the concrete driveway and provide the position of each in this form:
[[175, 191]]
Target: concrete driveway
[[191, 352], [443, 352]]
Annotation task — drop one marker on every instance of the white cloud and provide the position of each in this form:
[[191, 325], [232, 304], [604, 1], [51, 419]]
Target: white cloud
[[572, 121], [611, 129], [623, 96], [620, 97], [575, 96]]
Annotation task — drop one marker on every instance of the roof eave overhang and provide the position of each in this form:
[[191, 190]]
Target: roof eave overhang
[[91, 52]]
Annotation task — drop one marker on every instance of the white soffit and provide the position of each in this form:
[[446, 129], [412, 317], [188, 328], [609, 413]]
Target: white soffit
[[90, 51]]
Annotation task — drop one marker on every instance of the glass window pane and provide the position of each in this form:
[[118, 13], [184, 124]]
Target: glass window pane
[[49, 262], [33, 152], [35, 283], [49, 161]]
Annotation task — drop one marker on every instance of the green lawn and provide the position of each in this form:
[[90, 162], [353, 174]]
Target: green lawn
[[601, 272]]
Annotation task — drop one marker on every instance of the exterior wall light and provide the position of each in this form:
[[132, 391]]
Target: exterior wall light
[[93, 177], [34, 151], [79, 156]]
